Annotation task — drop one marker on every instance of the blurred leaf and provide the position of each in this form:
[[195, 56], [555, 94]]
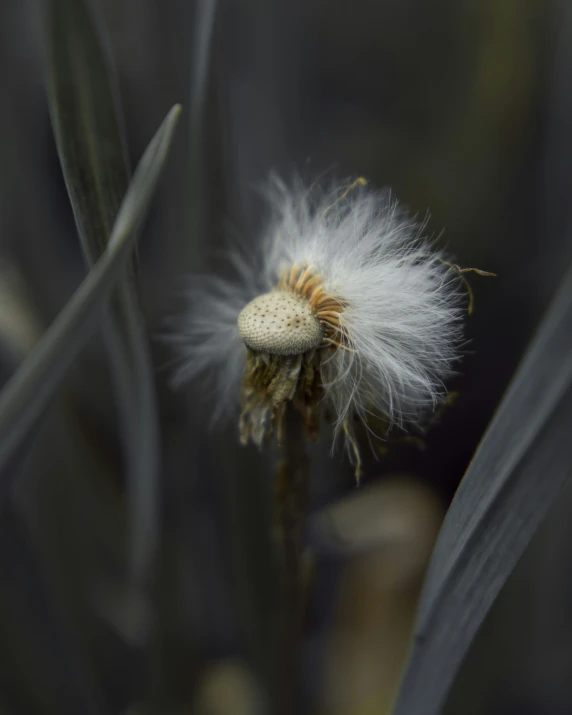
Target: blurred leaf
[[522, 463], [30, 388], [89, 134], [201, 55], [87, 123], [395, 511], [229, 688]]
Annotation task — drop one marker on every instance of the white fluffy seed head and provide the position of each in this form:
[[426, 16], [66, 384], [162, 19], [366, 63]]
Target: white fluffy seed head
[[402, 304], [280, 323]]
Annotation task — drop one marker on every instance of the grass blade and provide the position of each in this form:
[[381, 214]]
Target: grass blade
[[89, 133], [30, 388], [201, 57], [87, 122], [520, 467]]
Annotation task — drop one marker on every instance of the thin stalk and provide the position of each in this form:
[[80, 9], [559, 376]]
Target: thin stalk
[[292, 479]]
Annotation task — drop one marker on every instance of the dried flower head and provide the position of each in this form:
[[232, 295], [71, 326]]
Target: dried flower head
[[347, 311]]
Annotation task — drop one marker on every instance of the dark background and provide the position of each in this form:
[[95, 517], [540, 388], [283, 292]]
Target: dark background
[[464, 108]]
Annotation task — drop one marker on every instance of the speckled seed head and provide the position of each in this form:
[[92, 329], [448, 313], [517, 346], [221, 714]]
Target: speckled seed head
[[280, 323]]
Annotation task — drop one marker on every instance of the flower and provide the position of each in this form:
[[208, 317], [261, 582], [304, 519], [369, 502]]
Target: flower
[[347, 310]]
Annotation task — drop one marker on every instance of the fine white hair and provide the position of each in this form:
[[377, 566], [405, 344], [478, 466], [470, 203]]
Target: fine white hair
[[402, 314]]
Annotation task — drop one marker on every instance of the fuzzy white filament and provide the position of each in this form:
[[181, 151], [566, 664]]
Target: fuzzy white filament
[[401, 316]]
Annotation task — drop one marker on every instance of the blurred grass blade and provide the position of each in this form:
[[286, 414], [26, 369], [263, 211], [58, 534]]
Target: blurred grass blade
[[205, 11], [89, 133], [30, 388], [204, 24], [521, 465], [87, 121]]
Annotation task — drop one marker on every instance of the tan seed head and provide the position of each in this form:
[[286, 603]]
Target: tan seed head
[[280, 323]]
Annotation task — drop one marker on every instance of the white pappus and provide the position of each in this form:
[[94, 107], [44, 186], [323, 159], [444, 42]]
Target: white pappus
[[346, 310]]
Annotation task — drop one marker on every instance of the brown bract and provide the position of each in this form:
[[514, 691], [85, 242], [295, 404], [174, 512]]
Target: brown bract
[[327, 309]]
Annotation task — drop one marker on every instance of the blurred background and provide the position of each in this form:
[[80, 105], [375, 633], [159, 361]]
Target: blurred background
[[463, 108]]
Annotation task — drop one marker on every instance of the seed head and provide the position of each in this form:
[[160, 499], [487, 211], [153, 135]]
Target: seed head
[[345, 310], [280, 323]]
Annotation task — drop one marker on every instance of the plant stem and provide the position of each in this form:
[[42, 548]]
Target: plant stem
[[291, 504]]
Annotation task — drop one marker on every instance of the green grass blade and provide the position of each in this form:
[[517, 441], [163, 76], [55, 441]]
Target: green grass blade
[[28, 391], [88, 127], [520, 467]]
